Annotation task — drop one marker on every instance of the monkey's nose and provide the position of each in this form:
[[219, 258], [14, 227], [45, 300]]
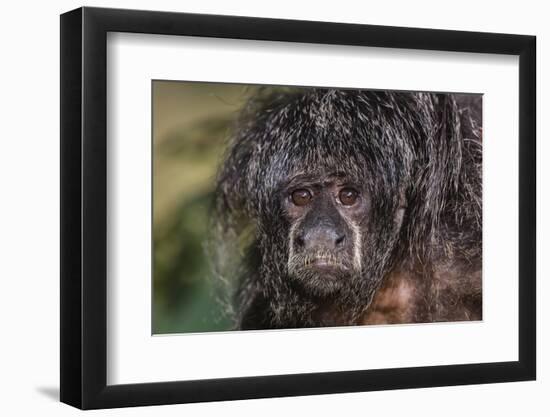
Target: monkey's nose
[[322, 238]]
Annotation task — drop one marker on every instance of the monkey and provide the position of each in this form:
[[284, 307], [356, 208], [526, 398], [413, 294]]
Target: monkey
[[338, 207]]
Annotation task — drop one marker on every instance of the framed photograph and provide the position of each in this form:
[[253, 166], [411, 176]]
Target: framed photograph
[[258, 208]]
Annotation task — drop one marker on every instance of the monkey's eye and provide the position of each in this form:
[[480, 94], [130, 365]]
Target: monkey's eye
[[348, 196], [301, 197]]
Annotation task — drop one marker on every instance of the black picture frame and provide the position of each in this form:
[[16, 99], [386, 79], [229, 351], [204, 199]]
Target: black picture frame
[[84, 207]]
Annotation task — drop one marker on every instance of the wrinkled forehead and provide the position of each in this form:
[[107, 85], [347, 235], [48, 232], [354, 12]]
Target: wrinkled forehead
[[321, 177]]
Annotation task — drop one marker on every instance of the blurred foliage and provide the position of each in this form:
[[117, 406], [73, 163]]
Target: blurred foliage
[[191, 122], [182, 291]]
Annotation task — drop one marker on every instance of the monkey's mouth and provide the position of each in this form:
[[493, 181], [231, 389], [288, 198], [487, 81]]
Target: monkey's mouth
[[326, 263]]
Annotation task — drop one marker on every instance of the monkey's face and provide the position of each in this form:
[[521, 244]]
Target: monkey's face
[[327, 216]]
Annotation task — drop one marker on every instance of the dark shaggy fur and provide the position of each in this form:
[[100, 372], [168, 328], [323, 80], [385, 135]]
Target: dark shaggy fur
[[418, 156]]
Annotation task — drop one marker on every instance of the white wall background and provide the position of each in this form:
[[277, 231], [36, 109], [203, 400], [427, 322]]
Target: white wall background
[[29, 209]]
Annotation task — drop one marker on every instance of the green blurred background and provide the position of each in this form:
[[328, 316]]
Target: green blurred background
[[191, 123]]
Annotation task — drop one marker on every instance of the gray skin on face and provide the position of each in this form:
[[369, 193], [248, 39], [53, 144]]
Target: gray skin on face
[[327, 214]]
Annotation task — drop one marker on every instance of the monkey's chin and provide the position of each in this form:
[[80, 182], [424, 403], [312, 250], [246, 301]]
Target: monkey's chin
[[321, 280]]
